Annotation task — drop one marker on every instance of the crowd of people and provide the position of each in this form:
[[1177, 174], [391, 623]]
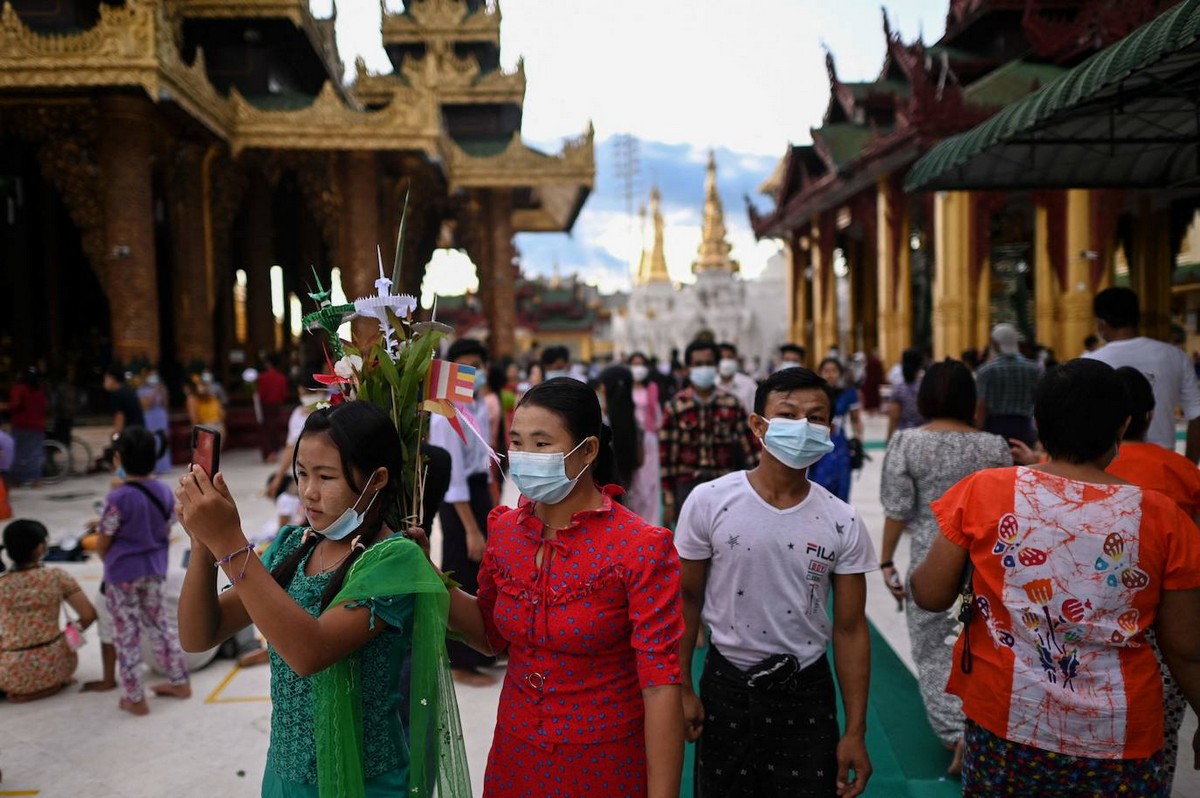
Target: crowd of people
[[672, 512]]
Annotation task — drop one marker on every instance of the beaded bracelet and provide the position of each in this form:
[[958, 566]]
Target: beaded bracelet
[[227, 559]]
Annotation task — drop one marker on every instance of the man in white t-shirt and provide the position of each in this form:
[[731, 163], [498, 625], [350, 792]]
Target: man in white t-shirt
[[762, 552], [1167, 367]]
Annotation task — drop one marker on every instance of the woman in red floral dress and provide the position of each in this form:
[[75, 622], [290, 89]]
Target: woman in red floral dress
[[585, 597]]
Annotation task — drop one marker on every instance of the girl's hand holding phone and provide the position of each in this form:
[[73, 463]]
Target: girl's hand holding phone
[[208, 512]]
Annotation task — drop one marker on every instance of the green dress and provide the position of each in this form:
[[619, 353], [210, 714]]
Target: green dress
[[348, 730]]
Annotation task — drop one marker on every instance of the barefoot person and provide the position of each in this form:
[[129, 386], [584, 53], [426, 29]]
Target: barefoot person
[[35, 660], [353, 613], [135, 531]]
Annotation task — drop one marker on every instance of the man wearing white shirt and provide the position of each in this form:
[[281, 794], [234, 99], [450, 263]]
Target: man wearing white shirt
[[1167, 367], [732, 381], [763, 553]]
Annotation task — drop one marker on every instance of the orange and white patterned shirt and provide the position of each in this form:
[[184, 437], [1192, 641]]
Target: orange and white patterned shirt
[[1068, 577]]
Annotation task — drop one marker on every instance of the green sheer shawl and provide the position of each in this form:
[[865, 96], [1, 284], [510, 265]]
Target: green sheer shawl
[[389, 569]]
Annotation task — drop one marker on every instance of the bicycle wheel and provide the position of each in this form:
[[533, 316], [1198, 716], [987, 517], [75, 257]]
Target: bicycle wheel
[[80, 459], [57, 463]]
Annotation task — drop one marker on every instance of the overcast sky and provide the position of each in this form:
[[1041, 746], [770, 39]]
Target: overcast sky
[[744, 77]]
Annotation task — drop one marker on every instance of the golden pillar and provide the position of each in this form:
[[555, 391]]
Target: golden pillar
[[360, 226], [1153, 263], [1046, 285], [952, 296], [502, 322], [893, 262], [130, 274], [1077, 321], [192, 303], [797, 266], [824, 287]]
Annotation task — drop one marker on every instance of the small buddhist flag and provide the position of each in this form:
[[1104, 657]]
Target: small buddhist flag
[[451, 381]]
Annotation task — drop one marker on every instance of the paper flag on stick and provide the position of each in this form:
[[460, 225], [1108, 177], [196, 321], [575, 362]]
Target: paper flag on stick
[[450, 381]]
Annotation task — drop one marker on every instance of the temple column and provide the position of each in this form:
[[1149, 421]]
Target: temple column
[[1150, 272], [869, 275], [824, 287], [1077, 319], [192, 307], [360, 226], [893, 264], [502, 322], [258, 256], [1046, 287], [130, 280], [952, 297], [797, 267]]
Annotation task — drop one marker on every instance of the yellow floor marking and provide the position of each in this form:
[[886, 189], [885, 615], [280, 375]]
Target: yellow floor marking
[[19, 792], [215, 696]]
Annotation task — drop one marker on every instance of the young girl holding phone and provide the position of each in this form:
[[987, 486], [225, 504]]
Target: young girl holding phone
[[349, 610]]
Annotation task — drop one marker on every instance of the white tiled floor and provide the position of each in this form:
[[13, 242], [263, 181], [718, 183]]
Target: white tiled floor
[[79, 744]]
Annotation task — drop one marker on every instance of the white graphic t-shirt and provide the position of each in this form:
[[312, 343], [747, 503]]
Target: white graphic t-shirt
[[768, 582]]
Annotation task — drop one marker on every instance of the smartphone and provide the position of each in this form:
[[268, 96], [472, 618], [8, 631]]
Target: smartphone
[[206, 449]]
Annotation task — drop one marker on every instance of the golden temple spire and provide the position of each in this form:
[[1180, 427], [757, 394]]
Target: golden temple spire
[[653, 269], [713, 253]]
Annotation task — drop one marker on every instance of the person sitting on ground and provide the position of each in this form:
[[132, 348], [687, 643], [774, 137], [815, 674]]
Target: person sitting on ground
[[135, 529], [35, 659], [1069, 568]]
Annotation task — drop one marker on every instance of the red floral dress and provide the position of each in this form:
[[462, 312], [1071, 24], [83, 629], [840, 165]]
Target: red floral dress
[[33, 654], [586, 632]]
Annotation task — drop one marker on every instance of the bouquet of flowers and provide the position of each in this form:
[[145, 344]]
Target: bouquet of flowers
[[389, 371]]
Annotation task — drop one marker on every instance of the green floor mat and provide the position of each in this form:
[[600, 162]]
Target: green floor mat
[[906, 756]]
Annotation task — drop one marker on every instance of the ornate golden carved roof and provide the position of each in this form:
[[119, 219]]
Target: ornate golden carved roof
[[426, 21], [295, 10], [408, 123], [520, 166], [456, 81], [713, 252]]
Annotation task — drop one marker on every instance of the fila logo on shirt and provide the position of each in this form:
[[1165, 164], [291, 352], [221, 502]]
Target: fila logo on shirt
[[820, 551]]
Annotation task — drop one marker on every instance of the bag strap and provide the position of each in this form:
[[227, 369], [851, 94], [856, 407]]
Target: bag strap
[[966, 614], [162, 508]]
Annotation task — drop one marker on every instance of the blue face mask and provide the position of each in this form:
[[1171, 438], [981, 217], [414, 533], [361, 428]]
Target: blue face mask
[[121, 472], [703, 377], [542, 477], [349, 520], [795, 442]]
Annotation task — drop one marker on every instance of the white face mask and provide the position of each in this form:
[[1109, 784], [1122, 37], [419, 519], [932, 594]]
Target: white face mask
[[640, 372], [795, 442], [542, 476], [349, 520], [703, 377], [787, 364], [727, 367], [554, 374]]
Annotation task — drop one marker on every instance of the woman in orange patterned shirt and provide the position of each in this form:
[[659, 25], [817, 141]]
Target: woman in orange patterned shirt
[[1071, 567]]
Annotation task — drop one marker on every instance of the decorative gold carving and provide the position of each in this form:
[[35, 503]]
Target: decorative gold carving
[[118, 51], [425, 21], [520, 166], [455, 80], [294, 10], [329, 124]]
